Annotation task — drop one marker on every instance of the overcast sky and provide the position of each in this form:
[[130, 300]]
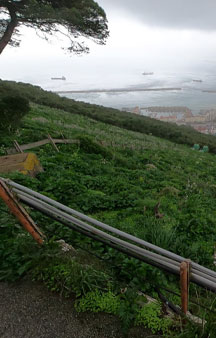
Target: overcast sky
[[145, 35], [184, 14]]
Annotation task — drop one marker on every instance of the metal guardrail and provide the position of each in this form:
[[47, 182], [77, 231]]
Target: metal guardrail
[[121, 241]]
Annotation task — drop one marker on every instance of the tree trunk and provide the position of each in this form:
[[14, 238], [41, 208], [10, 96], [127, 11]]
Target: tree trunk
[[9, 31]]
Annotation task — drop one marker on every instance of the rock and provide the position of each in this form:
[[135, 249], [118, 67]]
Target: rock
[[65, 246], [150, 166]]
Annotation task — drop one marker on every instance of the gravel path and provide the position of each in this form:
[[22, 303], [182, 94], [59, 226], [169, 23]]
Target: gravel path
[[28, 310]]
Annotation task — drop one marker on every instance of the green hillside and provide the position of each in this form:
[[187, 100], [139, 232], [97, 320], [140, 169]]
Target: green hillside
[[169, 131], [117, 176]]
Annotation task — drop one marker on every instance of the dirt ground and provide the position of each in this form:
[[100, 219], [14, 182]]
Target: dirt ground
[[28, 310]]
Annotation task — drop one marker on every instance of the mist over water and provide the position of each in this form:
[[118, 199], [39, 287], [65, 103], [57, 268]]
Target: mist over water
[[175, 56], [191, 95], [175, 40]]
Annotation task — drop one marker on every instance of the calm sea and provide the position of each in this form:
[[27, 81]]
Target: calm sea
[[191, 95]]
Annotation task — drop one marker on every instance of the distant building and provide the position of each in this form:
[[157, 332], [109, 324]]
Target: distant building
[[134, 110], [209, 114], [204, 122], [195, 119]]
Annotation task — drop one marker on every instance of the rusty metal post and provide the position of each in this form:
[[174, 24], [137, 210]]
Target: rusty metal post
[[184, 282], [19, 212]]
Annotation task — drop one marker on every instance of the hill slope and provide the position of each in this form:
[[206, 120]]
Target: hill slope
[[118, 176], [177, 134]]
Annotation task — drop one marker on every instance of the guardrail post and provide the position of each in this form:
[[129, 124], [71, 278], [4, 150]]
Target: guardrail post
[[184, 282], [19, 212]]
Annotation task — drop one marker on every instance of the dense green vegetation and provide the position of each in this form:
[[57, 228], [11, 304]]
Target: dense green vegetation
[[117, 176]]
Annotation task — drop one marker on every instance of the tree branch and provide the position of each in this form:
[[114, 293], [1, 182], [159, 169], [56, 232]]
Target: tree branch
[[72, 18], [10, 28]]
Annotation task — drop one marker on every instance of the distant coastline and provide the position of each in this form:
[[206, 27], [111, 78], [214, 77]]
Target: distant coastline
[[120, 90]]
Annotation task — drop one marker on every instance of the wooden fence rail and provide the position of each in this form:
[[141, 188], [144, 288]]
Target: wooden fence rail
[[20, 148]]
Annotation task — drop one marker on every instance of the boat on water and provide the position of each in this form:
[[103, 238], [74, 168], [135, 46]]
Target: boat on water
[[58, 78], [197, 81], [148, 73]]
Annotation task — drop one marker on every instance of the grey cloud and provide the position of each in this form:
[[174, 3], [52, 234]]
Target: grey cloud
[[183, 14]]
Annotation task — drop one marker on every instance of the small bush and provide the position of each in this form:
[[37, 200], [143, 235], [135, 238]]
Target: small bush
[[150, 317], [69, 277], [91, 147], [98, 301], [12, 110]]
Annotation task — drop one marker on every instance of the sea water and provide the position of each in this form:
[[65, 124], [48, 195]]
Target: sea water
[[191, 94]]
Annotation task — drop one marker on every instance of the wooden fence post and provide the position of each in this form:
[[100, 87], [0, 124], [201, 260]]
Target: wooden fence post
[[63, 138], [53, 143], [17, 147]]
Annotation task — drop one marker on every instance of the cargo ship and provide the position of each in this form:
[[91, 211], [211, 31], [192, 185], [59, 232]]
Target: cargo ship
[[58, 78]]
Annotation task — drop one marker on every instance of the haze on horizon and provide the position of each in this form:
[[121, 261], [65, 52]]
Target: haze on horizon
[[168, 36]]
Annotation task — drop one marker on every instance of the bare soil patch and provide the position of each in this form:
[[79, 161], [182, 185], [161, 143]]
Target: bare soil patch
[[28, 310]]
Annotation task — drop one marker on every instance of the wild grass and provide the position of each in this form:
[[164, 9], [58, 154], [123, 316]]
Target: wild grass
[[119, 177]]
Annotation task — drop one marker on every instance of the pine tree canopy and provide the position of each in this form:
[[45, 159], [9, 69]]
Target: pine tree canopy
[[71, 18]]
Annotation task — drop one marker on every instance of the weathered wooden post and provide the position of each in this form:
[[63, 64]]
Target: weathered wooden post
[[53, 143], [17, 146]]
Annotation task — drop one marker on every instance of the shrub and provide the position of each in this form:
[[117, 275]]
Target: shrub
[[69, 277], [97, 301], [91, 147], [150, 317], [12, 110]]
